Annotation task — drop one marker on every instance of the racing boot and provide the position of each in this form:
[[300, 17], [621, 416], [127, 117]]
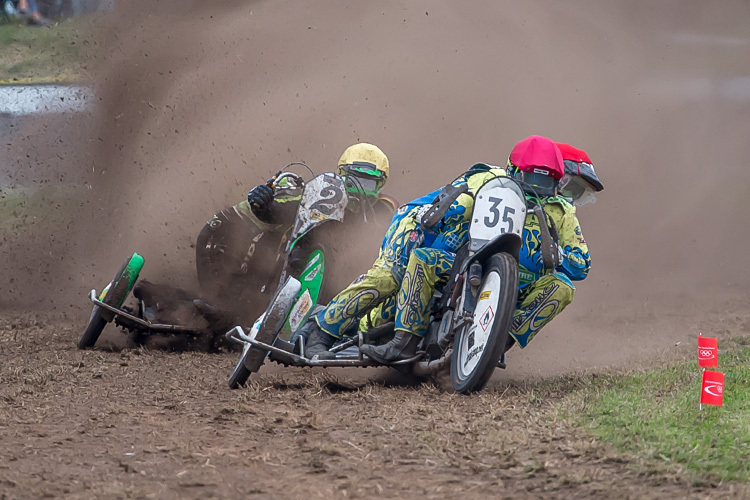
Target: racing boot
[[402, 346], [318, 342]]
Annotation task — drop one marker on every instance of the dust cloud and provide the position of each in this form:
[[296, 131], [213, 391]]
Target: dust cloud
[[199, 101]]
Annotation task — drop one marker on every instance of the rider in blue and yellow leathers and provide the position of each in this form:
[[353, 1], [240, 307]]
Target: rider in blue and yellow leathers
[[413, 261]]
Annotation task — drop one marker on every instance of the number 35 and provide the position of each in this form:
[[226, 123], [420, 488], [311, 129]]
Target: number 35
[[496, 215]]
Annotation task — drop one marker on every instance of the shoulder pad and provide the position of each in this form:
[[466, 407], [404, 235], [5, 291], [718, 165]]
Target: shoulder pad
[[478, 167]]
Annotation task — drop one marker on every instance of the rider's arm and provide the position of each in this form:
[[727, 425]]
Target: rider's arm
[[269, 207], [244, 211], [576, 261]]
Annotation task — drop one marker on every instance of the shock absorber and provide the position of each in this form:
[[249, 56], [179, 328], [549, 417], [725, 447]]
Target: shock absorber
[[475, 274]]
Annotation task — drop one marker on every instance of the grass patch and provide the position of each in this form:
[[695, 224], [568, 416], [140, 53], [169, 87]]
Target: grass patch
[[62, 51], [21, 208], [656, 415]]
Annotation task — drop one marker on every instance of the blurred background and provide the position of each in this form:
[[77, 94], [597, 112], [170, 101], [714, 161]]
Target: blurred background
[[165, 112]]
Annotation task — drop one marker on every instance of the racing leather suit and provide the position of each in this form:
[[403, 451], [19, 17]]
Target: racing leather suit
[[412, 263], [544, 293], [235, 246]]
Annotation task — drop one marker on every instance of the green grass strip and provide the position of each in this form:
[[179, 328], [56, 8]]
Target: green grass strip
[[59, 53], [656, 415]]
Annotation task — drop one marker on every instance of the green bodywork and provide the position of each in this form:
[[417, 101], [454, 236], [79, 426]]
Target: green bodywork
[[311, 280], [130, 274]]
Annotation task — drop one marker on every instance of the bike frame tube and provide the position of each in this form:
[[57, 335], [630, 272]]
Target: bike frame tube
[[135, 319]]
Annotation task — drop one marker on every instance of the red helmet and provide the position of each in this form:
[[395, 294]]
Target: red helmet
[[537, 162], [580, 182]]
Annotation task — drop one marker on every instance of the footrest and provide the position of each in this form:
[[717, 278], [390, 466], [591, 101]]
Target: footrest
[[501, 361]]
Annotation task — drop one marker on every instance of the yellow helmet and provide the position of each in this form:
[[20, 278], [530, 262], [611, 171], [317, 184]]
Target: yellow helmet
[[364, 167]]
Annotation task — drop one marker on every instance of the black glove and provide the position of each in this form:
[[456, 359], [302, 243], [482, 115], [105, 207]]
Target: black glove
[[260, 198]]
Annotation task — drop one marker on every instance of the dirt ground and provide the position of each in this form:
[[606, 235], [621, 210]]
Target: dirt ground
[[196, 102], [154, 424]]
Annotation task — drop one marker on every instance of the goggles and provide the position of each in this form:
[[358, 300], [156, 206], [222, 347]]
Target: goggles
[[541, 184], [363, 178]]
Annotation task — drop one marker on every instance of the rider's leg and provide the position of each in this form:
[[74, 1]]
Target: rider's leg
[[538, 303], [345, 310], [427, 268], [384, 313], [342, 315]]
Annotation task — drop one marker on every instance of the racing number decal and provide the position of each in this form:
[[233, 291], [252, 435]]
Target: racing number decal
[[331, 197], [494, 211], [508, 211], [496, 215]]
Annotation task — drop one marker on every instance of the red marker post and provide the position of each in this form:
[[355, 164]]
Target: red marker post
[[712, 388], [708, 352], [712, 385]]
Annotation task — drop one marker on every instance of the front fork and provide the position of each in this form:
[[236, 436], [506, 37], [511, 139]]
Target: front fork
[[465, 305]]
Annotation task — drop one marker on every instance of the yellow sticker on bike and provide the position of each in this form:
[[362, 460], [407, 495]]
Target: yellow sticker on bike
[[485, 295]]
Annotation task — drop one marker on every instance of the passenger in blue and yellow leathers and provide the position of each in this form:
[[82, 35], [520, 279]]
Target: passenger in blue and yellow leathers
[[544, 293], [413, 261]]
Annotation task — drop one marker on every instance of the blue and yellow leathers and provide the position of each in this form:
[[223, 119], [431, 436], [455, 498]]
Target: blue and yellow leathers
[[412, 263], [544, 293]]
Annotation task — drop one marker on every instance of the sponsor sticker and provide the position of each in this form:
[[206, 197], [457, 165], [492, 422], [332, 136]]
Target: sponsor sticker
[[715, 389], [312, 274], [526, 276], [104, 292], [706, 353], [317, 216], [423, 210], [485, 320], [485, 295], [300, 310], [540, 171]]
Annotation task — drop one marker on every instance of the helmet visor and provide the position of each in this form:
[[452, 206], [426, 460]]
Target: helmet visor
[[577, 189], [543, 185], [363, 178], [363, 168]]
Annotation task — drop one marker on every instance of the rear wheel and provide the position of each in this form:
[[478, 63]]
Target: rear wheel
[[115, 296], [478, 346]]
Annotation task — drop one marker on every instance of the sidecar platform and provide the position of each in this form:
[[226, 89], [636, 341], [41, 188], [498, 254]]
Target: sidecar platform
[[292, 354], [132, 322]]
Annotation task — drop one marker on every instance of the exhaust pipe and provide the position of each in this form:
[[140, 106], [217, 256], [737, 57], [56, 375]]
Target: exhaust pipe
[[426, 368]]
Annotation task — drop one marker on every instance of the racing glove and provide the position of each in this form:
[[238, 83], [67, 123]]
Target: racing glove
[[260, 198]]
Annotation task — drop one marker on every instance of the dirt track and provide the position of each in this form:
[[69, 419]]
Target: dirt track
[[152, 424], [198, 103]]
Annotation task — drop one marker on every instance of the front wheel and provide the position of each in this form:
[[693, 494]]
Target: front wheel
[[478, 346], [115, 295], [240, 374], [93, 329], [271, 323]]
